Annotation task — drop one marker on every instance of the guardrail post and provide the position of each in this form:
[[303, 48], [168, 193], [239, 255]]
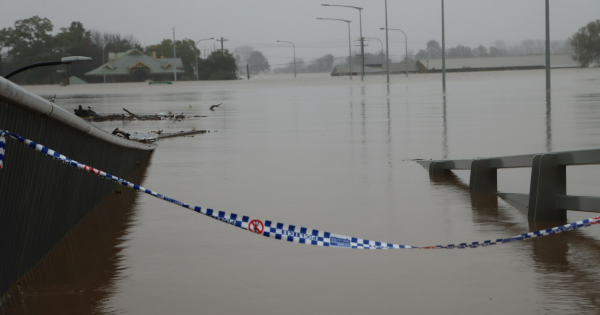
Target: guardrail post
[[548, 181], [483, 177], [437, 167]]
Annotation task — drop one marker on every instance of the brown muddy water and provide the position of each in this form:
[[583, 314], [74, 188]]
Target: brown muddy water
[[332, 154]]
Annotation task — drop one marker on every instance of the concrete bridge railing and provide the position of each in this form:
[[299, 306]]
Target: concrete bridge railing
[[547, 198], [42, 199]]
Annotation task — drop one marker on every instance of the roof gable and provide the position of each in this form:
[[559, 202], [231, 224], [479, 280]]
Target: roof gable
[[139, 64], [134, 52]]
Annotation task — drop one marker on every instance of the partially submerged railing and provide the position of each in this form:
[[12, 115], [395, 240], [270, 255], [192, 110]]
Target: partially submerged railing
[[42, 199], [547, 198]]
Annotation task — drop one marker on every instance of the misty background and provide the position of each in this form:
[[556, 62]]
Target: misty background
[[516, 26]]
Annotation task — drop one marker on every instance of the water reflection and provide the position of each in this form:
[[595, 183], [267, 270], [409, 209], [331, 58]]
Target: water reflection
[[445, 123], [78, 275], [389, 134], [567, 263]]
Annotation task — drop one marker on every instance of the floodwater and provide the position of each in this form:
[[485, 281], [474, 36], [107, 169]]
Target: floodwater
[[331, 154]]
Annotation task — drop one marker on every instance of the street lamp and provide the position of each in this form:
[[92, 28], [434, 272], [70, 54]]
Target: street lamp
[[381, 51], [362, 44], [349, 40], [387, 47], [63, 61], [197, 55], [405, 46], [283, 41], [103, 63]]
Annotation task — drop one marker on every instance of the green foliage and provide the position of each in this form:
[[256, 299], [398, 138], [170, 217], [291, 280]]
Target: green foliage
[[218, 66], [258, 62], [185, 50], [459, 51], [434, 49], [322, 64], [30, 41], [586, 43]]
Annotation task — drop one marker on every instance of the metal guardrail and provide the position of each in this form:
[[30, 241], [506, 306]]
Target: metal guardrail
[[547, 198]]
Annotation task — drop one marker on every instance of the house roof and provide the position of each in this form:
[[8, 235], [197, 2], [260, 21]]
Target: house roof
[[556, 61], [133, 58]]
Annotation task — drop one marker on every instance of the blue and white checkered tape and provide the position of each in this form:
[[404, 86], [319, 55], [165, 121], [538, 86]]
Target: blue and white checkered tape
[[282, 231]]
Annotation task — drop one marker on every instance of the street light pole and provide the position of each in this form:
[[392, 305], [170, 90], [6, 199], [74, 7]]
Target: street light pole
[[283, 41], [197, 55], [174, 56], [405, 48], [443, 51], [387, 46], [381, 51], [362, 44], [547, 45], [349, 40]]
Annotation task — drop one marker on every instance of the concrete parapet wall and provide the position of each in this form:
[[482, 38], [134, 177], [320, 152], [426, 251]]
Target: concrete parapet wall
[[41, 199]]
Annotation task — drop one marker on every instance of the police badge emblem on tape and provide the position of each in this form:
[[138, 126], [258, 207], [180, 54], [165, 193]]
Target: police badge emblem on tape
[[280, 231]]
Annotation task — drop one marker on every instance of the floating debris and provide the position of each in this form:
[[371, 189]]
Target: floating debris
[[152, 136], [181, 134], [90, 115], [84, 112]]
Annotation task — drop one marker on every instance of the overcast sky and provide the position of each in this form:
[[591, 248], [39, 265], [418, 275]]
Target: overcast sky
[[260, 23]]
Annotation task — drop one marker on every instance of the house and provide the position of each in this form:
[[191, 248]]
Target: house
[[135, 66], [495, 63]]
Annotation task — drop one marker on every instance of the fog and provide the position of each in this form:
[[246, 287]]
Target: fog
[[260, 23]]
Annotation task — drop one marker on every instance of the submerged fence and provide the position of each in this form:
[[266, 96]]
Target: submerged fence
[[547, 198], [40, 199]]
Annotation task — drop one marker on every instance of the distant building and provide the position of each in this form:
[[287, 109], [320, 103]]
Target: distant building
[[395, 68], [496, 63], [135, 66]]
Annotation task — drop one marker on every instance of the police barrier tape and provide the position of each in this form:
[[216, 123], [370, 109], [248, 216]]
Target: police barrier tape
[[282, 231]]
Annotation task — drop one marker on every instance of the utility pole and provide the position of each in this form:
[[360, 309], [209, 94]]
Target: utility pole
[[174, 56], [387, 47], [547, 45], [443, 51], [222, 40]]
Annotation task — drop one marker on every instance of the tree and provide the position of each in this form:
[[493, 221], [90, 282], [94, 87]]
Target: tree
[[481, 51], [76, 41], [587, 44], [258, 62], [218, 66], [494, 52], [114, 41], [300, 67], [322, 64], [460, 51], [186, 50], [433, 49], [421, 55], [501, 49], [29, 42], [534, 47], [242, 53]]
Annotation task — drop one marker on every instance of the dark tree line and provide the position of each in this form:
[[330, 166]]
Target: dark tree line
[[30, 41], [321, 64]]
